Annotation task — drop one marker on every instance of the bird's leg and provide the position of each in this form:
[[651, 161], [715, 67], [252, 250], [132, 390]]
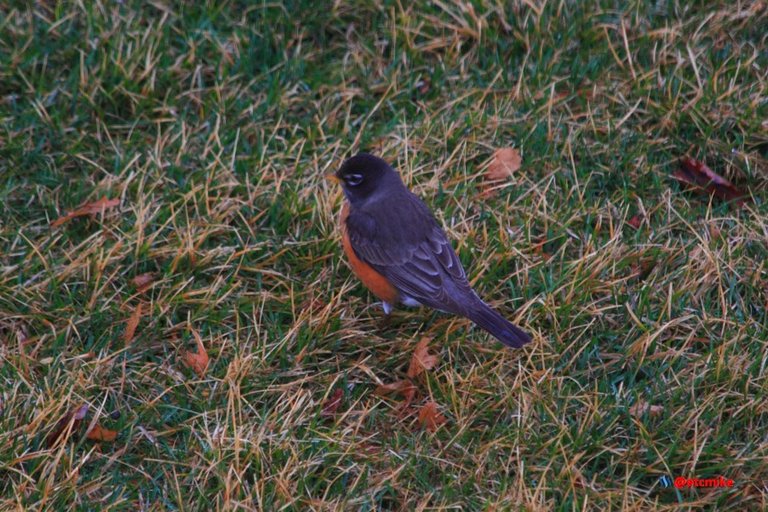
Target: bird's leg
[[384, 321]]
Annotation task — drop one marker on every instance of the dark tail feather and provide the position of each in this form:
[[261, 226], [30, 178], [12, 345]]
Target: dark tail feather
[[507, 333]]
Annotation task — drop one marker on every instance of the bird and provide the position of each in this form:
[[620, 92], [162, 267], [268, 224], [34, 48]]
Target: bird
[[400, 252]]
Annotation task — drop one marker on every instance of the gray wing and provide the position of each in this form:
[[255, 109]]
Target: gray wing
[[410, 249]]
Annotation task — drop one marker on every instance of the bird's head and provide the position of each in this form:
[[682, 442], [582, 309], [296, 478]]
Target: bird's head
[[363, 175]]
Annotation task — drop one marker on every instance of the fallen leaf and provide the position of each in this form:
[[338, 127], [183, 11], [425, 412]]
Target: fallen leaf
[[332, 404], [75, 416], [93, 208], [430, 418], [403, 387], [421, 360], [635, 221], [198, 361], [641, 407], [143, 281], [132, 324], [99, 433], [704, 180], [505, 162]]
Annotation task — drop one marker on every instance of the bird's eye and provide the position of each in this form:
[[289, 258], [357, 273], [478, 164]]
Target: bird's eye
[[353, 180]]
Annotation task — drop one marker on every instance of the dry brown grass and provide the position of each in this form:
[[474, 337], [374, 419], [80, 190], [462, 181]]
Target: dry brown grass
[[214, 124]]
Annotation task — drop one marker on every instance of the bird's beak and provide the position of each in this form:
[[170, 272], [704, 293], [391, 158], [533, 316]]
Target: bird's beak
[[332, 177]]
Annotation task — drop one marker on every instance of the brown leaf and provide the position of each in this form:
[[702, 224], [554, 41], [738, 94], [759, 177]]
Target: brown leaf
[[132, 324], [332, 404], [198, 361], [636, 221], [505, 162], [142, 282], [421, 360], [430, 418], [75, 416], [99, 433], [403, 387], [704, 180], [93, 208], [641, 407]]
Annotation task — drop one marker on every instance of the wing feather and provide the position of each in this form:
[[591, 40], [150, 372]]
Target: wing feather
[[410, 249]]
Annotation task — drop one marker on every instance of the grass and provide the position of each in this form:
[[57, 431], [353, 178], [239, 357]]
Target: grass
[[213, 123]]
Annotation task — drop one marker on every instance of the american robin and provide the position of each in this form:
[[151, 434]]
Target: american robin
[[399, 251]]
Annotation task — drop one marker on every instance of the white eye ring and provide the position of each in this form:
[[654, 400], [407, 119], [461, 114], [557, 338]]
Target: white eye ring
[[353, 180]]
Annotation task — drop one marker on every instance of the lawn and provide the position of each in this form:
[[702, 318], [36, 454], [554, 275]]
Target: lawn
[[179, 329]]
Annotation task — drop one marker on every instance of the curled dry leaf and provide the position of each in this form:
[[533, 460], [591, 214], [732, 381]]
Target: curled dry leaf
[[93, 208], [198, 361], [142, 282], [403, 387], [704, 180], [430, 418], [332, 404], [505, 162], [132, 324], [641, 407], [99, 433], [75, 416], [421, 360]]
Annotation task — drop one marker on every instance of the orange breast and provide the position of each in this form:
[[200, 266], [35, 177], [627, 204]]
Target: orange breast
[[374, 281]]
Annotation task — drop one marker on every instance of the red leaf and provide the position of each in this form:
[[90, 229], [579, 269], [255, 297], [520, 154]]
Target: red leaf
[[198, 361], [505, 162], [421, 360], [430, 418], [93, 208], [403, 387], [99, 433], [143, 281], [332, 404], [132, 324], [704, 180]]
